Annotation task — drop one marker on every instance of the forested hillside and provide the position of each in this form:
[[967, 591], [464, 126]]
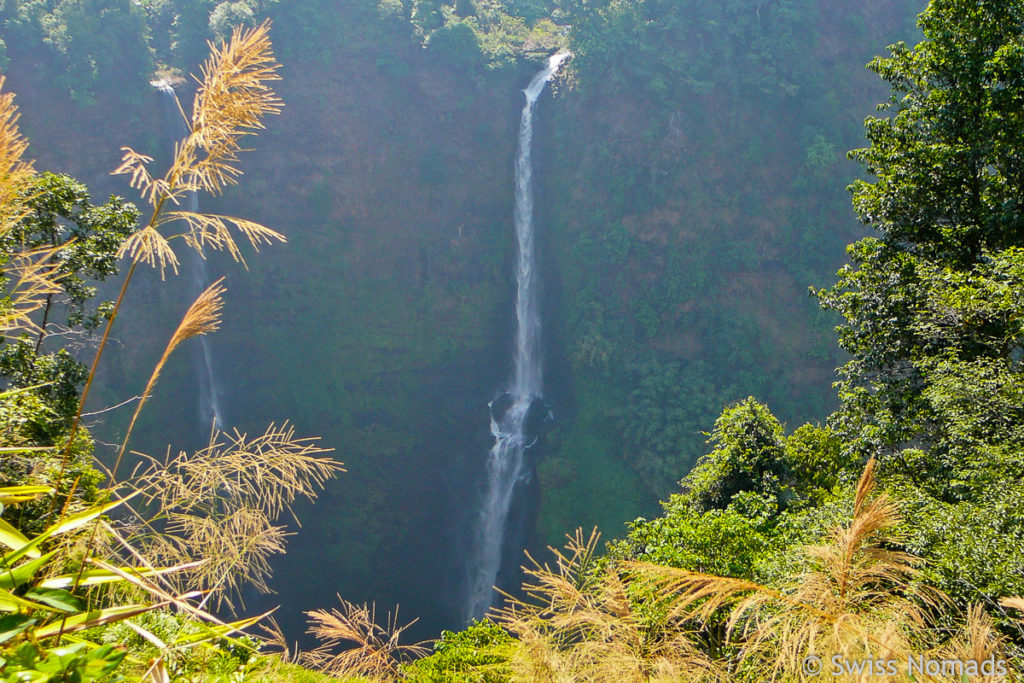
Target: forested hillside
[[691, 174]]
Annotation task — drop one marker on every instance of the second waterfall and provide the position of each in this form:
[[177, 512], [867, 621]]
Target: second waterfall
[[209, 408], [510, 413]]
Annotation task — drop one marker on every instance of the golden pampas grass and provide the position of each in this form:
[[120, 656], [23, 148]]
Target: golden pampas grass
[[202, 317], [375, 650], [233, 98], [856, 598], [578, 621], [15, 171], [222, 503], [31, 275], [150, 247]]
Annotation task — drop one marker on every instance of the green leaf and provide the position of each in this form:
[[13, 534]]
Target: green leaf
[[24, 390], [28, 549], [24, 449], [12, 578], [93, 577], [9, 602], [12, 538], [13, 624], [103, 660], [62, 659], [221, 631], [82, 518], [21, 494], [56, 598], [91, 619], [67, 524]]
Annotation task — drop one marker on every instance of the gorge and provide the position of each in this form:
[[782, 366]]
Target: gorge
[[690, 195]]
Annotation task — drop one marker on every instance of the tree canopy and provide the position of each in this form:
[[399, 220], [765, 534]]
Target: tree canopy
[[932, 319]]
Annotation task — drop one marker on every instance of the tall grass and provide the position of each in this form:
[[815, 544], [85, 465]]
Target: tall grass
[[581, 619], [374, 650], [855, 599], [189, 530]]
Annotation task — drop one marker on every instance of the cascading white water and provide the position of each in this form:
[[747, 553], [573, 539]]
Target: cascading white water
[[505, 460], [209, 399]]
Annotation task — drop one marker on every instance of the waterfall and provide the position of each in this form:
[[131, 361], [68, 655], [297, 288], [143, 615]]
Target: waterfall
[[209, 409], [505, 461]]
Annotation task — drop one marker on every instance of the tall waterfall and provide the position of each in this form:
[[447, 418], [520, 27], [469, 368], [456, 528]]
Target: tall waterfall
[[505, 462], [209, 408]]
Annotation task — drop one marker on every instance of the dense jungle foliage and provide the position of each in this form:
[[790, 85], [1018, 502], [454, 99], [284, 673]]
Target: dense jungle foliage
[[691, 188]]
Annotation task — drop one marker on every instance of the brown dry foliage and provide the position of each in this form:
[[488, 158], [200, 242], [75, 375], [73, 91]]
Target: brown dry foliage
[[30, 274], [856, 598], [578, 621], [375, 651], [223, 503], [233, 98], [15, 171], [978, 640]]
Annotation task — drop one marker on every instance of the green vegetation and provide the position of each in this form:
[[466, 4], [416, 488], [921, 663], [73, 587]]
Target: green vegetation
[[687, 196], [699, 185], [776, 548], [930, 390], [773, 550], [692, 175], [105, 578], [70, 43], [478, 654]]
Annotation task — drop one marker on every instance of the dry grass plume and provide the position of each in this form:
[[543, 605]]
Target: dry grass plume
[[856, 598], [374, 651], [223, 504], [579, 621], [233, 97]]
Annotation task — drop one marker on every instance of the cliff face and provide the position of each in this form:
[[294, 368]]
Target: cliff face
[[696, 188], [382, 323], [680, 226]]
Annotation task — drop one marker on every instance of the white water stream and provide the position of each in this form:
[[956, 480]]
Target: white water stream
[[505, 462], [209, 407]]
